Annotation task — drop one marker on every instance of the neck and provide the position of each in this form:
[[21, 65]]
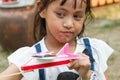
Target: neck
[[54, 45]]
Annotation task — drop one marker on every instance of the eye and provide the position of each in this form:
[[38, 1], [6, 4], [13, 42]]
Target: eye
[[61, 15], [78, 17]]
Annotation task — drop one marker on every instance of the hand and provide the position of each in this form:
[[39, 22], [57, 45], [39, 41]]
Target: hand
[[81, 65]]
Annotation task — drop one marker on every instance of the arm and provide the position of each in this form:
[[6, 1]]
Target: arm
[[11, 70], [82, 66], [106, 75]]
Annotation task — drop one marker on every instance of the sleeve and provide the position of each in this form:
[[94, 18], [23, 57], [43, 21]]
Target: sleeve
[[101, 53], [19, 57]]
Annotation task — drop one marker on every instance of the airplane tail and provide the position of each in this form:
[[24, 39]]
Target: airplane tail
[[64, 50]]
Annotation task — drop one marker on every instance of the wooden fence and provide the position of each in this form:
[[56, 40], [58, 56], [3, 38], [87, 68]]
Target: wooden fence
[[96, 3]]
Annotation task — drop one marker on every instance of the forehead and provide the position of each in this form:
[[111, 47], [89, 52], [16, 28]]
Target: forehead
[[71, 3]]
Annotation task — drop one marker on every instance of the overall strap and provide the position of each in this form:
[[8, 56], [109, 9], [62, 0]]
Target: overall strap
[[89, 52], [41, 71]]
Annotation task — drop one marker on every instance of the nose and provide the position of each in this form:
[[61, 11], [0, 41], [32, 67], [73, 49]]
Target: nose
[[68, 23]]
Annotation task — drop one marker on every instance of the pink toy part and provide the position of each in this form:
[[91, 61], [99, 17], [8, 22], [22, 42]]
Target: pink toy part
[[64, 53], [43, 53], [64, 50]]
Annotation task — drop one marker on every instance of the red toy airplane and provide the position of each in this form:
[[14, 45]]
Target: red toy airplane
[[46, 59]]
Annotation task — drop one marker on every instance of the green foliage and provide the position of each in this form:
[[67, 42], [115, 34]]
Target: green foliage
[[113, 24], [3, 59]]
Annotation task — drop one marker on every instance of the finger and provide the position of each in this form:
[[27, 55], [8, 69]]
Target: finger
[[74, 64]]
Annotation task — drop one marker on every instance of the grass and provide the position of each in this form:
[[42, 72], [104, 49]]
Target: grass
[[3, 59], [111, 25]]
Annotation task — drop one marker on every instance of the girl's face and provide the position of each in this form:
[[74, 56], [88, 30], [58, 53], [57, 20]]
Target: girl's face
[[64, 22]]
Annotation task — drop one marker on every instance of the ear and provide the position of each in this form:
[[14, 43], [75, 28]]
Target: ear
[[43, 14]]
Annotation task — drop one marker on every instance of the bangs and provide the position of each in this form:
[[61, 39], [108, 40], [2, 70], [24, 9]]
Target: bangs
[[74, 3]]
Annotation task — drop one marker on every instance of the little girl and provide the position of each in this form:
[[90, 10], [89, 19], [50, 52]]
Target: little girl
[[58, 22]]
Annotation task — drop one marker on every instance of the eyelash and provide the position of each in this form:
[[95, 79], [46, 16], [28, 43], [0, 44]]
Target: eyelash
[[61, 15], [77, 17]]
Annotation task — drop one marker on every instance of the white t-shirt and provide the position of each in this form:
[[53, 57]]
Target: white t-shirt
[[101, 52]]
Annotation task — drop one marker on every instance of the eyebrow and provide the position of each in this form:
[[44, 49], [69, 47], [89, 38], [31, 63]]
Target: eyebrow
[[61, 8], [77, 11]]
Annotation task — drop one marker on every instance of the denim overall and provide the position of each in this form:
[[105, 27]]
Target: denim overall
[[87, 51]]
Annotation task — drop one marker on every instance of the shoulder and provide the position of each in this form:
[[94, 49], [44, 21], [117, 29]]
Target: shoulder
[[93, 41], [20, 55], [99, 47], [22, 49], [101, 51]]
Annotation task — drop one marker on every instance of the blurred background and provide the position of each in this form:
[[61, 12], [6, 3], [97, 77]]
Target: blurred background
[[16, 28]]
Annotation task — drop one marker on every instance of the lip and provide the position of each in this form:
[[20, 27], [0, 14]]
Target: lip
[[67, 33]]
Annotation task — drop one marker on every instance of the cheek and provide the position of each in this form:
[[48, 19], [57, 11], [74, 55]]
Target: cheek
[[79, 28], [53, 22], [53, 26]]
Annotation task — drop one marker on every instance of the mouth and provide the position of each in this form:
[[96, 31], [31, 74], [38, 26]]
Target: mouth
[[68, 33]]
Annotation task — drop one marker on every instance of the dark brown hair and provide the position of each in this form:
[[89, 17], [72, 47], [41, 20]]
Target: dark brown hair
[[39, 23]]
